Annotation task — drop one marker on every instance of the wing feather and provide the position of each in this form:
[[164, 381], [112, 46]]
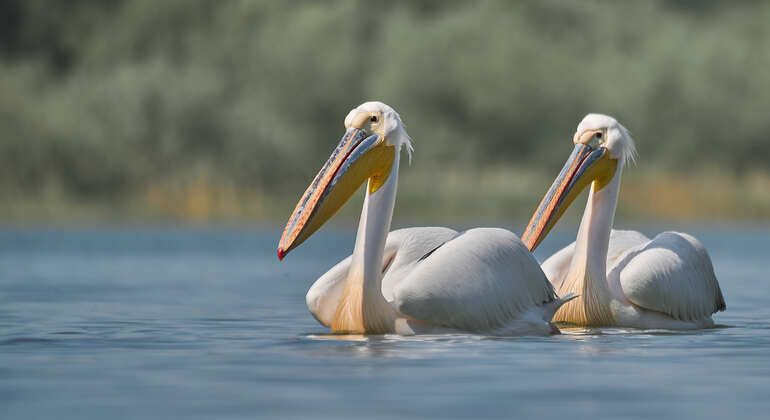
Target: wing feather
[[325, 293], [477, 281], [403, 248], [671, 274], [556, 267]]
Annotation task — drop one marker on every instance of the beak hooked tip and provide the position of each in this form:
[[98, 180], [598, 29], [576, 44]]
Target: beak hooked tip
[[281, 254]]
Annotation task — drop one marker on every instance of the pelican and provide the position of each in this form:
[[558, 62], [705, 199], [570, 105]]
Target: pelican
[[414, 280], [622, 278]]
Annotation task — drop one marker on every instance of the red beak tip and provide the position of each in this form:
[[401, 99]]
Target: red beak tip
[[281, 254]]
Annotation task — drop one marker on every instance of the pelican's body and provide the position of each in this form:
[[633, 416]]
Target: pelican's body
[[417, 280], [438, 280], [662, 283], [623, 278]]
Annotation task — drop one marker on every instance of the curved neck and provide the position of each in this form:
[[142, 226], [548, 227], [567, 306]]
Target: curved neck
[[587, 276], [373, 228], [593, 238], [362, 307]]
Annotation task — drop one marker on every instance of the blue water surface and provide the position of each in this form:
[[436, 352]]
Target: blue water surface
[[206, 324]]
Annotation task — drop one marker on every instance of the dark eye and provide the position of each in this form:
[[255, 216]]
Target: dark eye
[[373, 118], [598, 135]]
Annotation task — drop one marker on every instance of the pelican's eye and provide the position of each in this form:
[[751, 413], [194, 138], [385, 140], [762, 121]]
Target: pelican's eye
[[596, 139], [373, 118]]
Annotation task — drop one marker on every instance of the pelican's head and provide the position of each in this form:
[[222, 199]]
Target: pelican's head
[[373, 138], [602, 147]]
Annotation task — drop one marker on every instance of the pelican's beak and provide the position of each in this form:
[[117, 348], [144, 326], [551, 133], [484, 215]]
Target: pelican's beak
[[585, 165], [357, 158]]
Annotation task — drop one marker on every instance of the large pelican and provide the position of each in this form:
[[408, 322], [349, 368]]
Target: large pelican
[[622, 277], [416, 280]]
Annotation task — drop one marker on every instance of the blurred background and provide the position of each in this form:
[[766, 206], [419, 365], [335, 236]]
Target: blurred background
[[143, 111]]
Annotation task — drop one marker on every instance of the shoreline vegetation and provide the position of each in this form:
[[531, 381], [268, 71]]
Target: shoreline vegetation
[[196, 111], [463, 196]]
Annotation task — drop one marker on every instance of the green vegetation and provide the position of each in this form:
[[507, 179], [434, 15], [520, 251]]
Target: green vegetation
[[223, 110]]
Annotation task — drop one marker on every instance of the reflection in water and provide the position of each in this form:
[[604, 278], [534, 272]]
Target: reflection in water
[[407, 347], [338, 337], [199, 330]]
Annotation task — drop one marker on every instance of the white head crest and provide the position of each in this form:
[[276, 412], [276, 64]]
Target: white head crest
[[391, 127], [618, 140]]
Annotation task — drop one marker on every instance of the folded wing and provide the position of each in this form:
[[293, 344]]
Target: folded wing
[[557, 265], [403, 249], [671, 274], [477, 281]]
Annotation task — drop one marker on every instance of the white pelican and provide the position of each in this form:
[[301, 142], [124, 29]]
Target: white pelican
[[415, 280], [622, 277]]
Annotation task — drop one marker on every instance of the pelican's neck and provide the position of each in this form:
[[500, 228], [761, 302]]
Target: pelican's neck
[[373, 229], [587, 276], [363, 308]]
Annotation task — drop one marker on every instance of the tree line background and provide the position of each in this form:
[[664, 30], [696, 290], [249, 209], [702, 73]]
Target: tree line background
[[141, 110]]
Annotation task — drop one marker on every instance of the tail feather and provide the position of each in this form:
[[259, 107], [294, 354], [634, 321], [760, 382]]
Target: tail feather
[[552, 307]]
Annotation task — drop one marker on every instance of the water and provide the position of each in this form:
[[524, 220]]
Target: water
[[207, 324]]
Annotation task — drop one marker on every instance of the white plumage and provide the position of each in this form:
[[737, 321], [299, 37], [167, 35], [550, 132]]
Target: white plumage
[[403, 248], [667, 282], [623, 278], [557, 265], [481, 280], [415, 280]]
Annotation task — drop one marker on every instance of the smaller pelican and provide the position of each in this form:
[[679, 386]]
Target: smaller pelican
[[415, 280], [622, 277]]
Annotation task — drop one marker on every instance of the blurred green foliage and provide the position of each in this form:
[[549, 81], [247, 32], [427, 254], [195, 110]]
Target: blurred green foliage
[[106, 99]]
